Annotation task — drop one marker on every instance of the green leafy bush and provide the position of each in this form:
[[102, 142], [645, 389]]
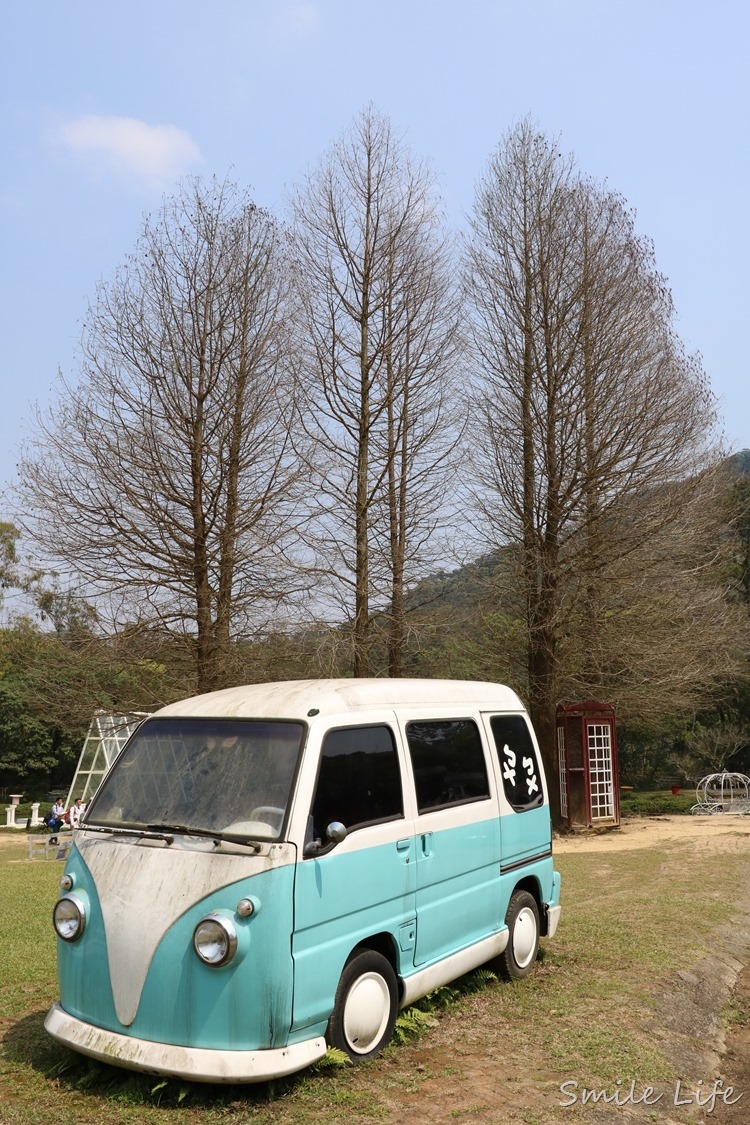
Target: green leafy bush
[[656, 803]]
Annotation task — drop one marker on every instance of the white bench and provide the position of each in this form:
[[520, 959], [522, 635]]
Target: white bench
[[40, 845]]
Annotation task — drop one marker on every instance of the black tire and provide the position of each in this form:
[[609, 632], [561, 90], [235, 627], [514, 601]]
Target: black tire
[[522, 919], [366, 1006]]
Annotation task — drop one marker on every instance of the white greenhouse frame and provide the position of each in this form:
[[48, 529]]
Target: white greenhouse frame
[[107, 734]]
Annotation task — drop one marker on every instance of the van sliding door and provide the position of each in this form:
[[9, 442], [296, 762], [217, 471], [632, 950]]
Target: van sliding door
[[457, 837]]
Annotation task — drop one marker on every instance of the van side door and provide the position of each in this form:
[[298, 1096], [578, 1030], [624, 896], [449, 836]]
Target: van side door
[[364, 885], [457, 835]]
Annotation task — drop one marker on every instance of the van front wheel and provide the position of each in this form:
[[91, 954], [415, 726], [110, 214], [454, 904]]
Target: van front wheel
[[366, 1006], [517, 959]]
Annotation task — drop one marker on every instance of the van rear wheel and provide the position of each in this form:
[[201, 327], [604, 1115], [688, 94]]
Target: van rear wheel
[[365, 1008], [522, 919]]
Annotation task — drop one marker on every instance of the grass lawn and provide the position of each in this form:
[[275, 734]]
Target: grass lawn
[[598, 1011]]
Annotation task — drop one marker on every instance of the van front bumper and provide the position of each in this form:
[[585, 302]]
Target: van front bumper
[[193, 1063]]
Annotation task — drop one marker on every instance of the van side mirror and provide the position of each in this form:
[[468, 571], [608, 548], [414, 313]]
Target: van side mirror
[[335, 833]]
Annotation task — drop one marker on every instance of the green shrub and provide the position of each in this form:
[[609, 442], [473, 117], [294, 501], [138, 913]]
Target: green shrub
[[660, 802]]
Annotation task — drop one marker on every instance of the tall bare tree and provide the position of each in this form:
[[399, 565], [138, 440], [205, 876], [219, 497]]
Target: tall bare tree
[[164, 476], [596, 437], [381, 324]]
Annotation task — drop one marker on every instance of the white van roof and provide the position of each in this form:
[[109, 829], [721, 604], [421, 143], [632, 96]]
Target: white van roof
[[294, 699]]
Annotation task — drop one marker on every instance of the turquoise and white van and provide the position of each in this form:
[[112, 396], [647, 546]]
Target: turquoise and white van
[[269, 870]]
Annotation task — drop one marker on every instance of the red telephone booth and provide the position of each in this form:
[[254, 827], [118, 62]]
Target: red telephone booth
[[587, 762]]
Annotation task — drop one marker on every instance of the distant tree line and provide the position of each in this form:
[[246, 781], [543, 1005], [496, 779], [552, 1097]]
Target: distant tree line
[[353, 444]]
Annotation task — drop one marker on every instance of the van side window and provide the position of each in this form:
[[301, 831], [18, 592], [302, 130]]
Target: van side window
[[359, 781], [448, 762], [519, 767]]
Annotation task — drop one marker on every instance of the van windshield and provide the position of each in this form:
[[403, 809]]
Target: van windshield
[[226, 777]]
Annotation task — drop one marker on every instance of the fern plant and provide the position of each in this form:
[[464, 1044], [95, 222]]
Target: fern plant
[[417, 1018]]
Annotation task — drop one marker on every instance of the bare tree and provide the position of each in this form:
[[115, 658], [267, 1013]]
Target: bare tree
[[597, 439], [381, 334], [711, 749], [164, 476]]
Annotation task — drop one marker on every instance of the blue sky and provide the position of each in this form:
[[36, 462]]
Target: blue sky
[[104, 107]]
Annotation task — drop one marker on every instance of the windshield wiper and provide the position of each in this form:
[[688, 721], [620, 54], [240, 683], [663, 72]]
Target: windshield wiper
[[183, 830], [155, 833], [217, 837], [167, 832]]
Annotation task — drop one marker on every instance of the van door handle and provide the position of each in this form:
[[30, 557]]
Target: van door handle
[[426, 839], [403, 845]]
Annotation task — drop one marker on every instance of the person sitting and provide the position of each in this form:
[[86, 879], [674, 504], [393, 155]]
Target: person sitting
[[55, 819]]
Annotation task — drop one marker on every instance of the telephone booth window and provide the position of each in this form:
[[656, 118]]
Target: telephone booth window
[[600, 770], [562, 773]]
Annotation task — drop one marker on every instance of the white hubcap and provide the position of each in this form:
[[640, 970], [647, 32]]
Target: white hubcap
[[524, 938], [367, 1011]]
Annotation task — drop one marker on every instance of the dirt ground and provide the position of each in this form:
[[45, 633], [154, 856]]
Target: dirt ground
[[647, 831]]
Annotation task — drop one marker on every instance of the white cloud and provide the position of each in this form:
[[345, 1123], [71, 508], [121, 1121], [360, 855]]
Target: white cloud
[[155, 155]]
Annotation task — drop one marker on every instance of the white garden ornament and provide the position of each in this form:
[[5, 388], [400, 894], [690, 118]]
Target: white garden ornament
[[723, 793]]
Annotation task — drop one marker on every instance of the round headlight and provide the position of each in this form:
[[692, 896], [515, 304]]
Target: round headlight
[[215, 940], [69, 917]]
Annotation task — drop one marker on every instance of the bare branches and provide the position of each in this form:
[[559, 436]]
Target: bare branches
[[165, 476], [381, 339], [596, 439]]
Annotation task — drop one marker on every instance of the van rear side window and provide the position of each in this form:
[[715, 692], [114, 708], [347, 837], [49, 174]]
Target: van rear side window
[[359, 780], [518, 762], [448, 763]]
